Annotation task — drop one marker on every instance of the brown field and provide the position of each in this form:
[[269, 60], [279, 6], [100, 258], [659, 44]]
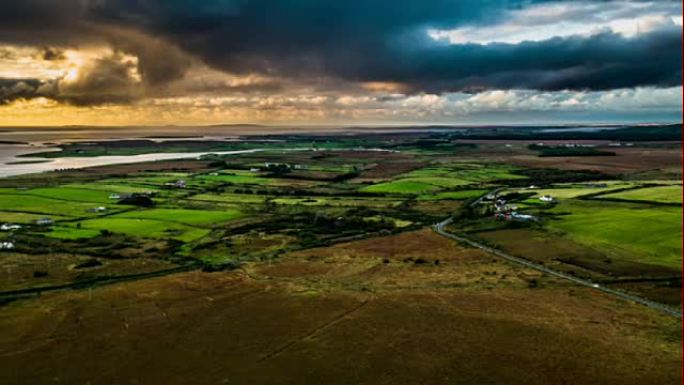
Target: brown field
[[166, 165], [627, 160], [357, 312], [388, 169], [17, 270]]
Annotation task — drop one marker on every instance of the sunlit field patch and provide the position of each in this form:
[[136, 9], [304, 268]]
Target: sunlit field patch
[[661, 194], [639, 232]]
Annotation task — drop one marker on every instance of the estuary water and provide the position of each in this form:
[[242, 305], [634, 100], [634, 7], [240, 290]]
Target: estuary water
[[10, 167]]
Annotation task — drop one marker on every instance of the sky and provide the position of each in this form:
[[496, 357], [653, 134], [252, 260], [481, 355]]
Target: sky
[[332, 62]]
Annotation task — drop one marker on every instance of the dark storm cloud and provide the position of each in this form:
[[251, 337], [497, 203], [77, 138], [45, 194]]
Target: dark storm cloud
[[383, 40], [600, 62], [13, 89], [369, 40]]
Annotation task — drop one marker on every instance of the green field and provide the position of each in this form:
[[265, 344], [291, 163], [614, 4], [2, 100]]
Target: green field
[[636, 232], [336, 201], [146, 228], [184, 216], [120, 188], [432, 179], [405, 186], [468, 173], [73, 233], [11, 217], [452, 195], [230, 198], [72, 194], [570, 192], [142, 180], [44, 206], [236, 177], [662, 194]]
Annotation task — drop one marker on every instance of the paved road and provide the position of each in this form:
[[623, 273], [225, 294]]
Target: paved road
[[439, 229]]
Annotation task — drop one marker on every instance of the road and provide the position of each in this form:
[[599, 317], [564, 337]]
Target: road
[[439, 229]]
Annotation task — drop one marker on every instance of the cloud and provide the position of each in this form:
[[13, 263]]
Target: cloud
[[350, 58], [378, 41], [545, 21], [95, 77], [14, 89]]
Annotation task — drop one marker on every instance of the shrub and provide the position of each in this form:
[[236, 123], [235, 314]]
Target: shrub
[[91, 262]]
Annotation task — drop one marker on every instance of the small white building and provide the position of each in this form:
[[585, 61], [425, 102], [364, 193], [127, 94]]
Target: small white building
[[522, 217], [44, 221], [114, 196], [177, 184], [9, 227], [6, 245], [546, 198]]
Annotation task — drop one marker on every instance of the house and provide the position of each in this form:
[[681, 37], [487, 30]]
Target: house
[[177, 184], [9, 227], [254, 169], [44, 222], [99, 209], [522, 217], [6, 245], [546, 198], [514, 216], [115, 196]]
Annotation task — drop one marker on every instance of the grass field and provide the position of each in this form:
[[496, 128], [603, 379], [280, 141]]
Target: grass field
[[301, 279], [452, 195], [336, 202], [73, 233], [662, 194], [12, 217], [230, 198], [404, 186], [120, 188], [236, 177], [338, 314], [467, 172], [639, 232], [72, 194], [572, 191], [45, 206], [432, 179], [184, 216], [136, 227]]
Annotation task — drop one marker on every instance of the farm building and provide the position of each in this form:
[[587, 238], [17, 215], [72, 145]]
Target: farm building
[[177, 184], [44, 221], [546, 198], [9, 227], [514, 216]]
